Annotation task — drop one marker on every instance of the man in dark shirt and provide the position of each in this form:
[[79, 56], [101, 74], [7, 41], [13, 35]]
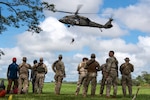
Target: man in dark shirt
[[12, 75]]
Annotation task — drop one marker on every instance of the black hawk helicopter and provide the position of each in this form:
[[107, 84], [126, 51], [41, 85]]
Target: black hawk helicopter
[[78, 20]]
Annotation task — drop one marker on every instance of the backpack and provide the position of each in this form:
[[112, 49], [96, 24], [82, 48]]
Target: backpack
[[40, 68], [126, 70]]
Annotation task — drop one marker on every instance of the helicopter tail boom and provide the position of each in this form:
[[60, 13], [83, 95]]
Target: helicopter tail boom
[[108, 24]]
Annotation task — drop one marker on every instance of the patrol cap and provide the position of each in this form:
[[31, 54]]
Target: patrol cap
[[93, 55], [14, 59], [127, 59], [24, 58]]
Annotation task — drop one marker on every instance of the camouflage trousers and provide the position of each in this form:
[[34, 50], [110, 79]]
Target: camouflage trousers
[[126, 81], [91, 77], [81, 81], [39, 82], [23, 83], [112, 79], [58, 81], [103, 81]]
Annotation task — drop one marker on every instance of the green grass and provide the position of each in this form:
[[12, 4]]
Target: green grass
[[68, 91]]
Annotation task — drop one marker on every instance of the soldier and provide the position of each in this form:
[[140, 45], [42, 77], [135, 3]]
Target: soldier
[[126, 69], [92, 67], [112, 74], [2, 89], [59, 69], [23, 76], [2, 85], [82, 74], [12, 75], [40, 76], [33, 75], [103, 81]]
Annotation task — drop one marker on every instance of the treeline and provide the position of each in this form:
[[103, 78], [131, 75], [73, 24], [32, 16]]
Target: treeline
[[143, 79], [140, 80]]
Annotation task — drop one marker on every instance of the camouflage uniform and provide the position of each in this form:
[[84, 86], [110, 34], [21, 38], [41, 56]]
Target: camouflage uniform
[[92, 67], [112, 74], [126, 69], [23, 81], [41, 69], [82, 74], [59, 69], [104, 76]]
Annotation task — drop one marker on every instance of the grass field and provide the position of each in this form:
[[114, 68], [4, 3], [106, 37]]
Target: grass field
[[68, 91]]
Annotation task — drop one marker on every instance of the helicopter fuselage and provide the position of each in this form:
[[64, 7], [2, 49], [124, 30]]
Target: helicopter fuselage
[[80, 21]]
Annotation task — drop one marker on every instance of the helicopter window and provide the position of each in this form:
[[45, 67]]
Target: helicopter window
[[88, 19], [77, 21]]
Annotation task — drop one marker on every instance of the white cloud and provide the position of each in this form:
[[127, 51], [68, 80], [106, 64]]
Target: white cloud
[[135, 17], [56, 38]]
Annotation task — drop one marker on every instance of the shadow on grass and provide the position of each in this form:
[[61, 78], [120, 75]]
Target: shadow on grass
[[52, 96]]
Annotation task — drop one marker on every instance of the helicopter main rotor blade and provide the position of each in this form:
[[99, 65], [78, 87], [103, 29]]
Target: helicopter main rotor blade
[[64, 11], [78, 8]]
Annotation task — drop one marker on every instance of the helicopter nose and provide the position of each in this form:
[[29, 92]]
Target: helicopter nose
[[61, 20]]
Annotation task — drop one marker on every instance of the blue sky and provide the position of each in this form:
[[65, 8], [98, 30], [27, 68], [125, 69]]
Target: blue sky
[[118, 3], [129, 37]]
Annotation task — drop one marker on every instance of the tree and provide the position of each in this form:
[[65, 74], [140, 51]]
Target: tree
[[1, 53], [22, 13], [146, 77]]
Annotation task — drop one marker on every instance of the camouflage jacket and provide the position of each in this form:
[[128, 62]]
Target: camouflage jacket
[[58, 67], [40, 68], [126, 68], [104, 67], [92, 66], [24, 68], [112, 64], [81, 67]]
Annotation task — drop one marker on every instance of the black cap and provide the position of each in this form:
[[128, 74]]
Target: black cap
[[93, 55], [35, 61]]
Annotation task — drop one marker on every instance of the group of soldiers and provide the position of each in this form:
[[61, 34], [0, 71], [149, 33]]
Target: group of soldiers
[[21, 82], [88, 69], [19, 75]]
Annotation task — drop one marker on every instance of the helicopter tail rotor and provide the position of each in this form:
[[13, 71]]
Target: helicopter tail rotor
[[108, 24]]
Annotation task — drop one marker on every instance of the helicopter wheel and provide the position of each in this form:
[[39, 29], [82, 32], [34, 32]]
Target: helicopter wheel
[[68, 26]]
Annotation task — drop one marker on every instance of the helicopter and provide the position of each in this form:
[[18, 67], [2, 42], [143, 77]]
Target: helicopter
[[76, 19]]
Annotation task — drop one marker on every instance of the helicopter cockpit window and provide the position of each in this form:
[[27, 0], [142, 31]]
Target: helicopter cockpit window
[[77, 21]]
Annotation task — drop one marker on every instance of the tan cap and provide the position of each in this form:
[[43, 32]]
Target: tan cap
[[41, 59], [84, 58], [24, 58]]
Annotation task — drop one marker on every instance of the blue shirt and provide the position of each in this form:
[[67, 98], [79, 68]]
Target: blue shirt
[[13, 71]]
